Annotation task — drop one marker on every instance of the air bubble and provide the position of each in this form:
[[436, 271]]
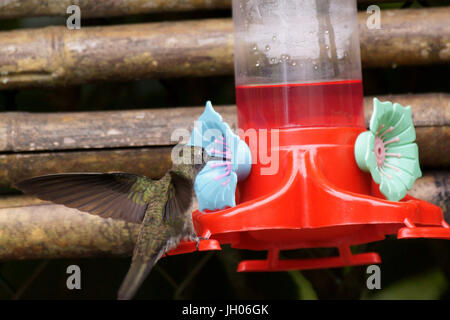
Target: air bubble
[[255, 48], [294, 63], [273, 60], [267, 48], [257, 64], [316, 67], [274, 38]]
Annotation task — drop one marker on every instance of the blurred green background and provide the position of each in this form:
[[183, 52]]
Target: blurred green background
[[411, 269]]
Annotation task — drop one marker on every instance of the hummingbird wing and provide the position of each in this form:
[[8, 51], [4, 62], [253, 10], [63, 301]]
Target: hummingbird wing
[[154, 203], [114, 195], [179, 196]]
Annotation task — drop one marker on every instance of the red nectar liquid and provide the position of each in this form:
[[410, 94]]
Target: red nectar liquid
[[330, 104]]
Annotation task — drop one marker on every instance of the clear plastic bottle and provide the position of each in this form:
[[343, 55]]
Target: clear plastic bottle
[[297, 63]]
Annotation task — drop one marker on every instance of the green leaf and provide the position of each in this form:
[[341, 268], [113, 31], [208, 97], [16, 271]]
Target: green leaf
[[426, 286], [304, 287]]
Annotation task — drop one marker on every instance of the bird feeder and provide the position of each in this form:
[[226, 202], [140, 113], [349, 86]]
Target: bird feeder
[[318, 178]]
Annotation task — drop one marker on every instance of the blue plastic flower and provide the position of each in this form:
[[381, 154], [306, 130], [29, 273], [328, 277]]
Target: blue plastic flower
[[215, 185]]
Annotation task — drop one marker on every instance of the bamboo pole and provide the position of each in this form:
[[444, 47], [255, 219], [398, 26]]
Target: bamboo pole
[[109, 8], [34, 229], [23, 132], [104, 8], [58, 56], [434, 187], [407, 37], [53, 231], [96, 130], [151, 162]]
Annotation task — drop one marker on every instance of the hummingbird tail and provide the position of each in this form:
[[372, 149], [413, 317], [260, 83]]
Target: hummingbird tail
[[138, 272]]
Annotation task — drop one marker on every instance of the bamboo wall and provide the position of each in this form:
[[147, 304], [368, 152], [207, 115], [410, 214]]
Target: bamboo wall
[[138, 141]]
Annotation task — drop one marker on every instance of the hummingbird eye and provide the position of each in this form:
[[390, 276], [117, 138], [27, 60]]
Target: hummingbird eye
[[198, 158], [205, 156]]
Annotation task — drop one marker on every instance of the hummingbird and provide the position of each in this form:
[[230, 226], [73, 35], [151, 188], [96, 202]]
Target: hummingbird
[[162, 207]]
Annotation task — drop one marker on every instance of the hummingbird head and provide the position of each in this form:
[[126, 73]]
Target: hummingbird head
[[199, 157], [190, 160]]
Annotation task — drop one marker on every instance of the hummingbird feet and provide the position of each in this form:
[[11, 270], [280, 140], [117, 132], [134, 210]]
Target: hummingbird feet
[[197, 240]]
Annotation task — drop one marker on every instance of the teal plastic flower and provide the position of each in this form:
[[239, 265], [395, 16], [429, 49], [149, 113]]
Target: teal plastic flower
[[388, 150], [215, 185]]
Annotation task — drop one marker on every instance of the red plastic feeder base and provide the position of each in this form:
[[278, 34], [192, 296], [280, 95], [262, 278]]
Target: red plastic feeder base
[[411, 231], [345, 258], [317, 197], [189, 246]]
